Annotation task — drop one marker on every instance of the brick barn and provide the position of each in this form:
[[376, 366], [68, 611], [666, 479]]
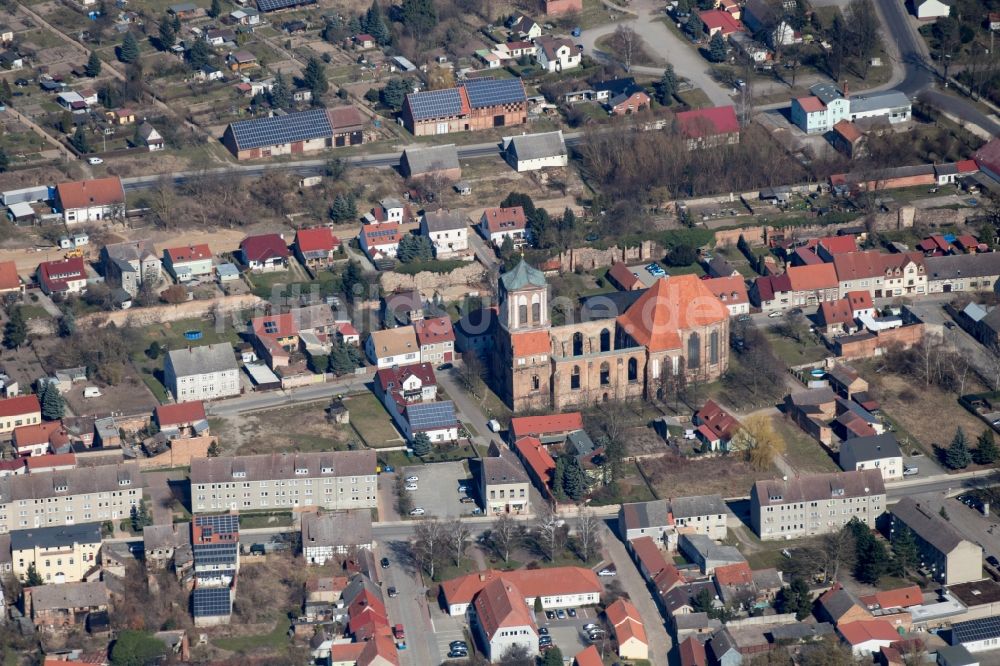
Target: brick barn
[[473, 105], [295, 133]]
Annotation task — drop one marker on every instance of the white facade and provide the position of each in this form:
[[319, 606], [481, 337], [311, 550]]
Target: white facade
[[447, 243], [438, 352], [563, 57], [541, 163], [508, 637], [89, 214], [931, 9], [553, 602], [821, 120], [207, 386], [891, 468]]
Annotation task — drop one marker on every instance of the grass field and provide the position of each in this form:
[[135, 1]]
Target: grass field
[[802, 452], [372, 422], [277, 638], [797, 353]]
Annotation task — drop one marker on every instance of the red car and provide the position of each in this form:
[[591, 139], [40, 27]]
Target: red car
[[398, 633]]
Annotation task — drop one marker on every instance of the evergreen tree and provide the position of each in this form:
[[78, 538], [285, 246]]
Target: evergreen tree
[[421, 444], [394, 93], [6, 94], [167, 35], [177, 24], [354, 26], [216, 9], [374, 24], [67, 323], [53, 405], [871, 556], [508, 253], [795, 598], [93, 66], [957, 455], [904, 549], [279, 97], [553, 657], [314, 77], [574, 479], [140, 516], [344, 359], [80, 141], [694, 25], [343, 208], [4, 160], [419, 17], [15, 331], [66, 123], [199, 54], [717, 48], [559, 478], [33, 579], [986, 452], [128, 52]]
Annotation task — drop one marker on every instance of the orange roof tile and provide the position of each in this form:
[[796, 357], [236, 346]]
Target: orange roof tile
[[835, 312], [22, 404], [810, 278], [501, 605], [730, 290], [316, 239], [37, 463], [551, 424], [42, 433], [530, 582], [626, 621], [899, 598], [87, 193], [693, 652], [863, 631], [848, 130], [860, 300], [8, 276], [624, 276], [671, 305], [532, 343], [589, 657], [537, 458], [811, 104], [649, 555], [181, 412], [189, 253], [434, 330], [734, 574]]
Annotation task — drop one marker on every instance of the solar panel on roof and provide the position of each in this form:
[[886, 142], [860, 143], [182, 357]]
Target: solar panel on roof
[[215, 553], [225, 523], [431, 415], [494, 92], [435, 103], [276, 130], [976, 630], [211, 601], [275, 5]]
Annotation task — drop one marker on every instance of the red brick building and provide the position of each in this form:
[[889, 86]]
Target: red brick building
[[473, 105]]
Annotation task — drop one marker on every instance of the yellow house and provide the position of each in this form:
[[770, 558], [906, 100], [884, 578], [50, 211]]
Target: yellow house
[[62, 554], [629, 631], [20, 411]]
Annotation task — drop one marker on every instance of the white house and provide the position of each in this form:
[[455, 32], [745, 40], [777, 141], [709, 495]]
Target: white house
[[926, 10], [892, 105], [820, 111], [91, 200], [496, 224], [503, 621], [393, 210], [393, 346], [189, 262], [202, 373], [530, 152], [149, 136], [557, 54], [867, 637], [557, 587], [447, 231], [879, 452], [380, 241]]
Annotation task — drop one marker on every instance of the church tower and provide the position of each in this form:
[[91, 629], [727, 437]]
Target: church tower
[[522, 365]]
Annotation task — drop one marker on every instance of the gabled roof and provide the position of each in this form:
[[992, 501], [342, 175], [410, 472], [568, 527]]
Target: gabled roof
[[431, 158], [487, 92], [316, 239], [591, 657], [849, 131], [19, 405], [878, 447], [394, 341], [902, 597], [813, 277], [837, 601], [623, 275], [88, 193], [730, 290], [649, 555], [505, 219], [734, 574], [860, 300], [811, 104], [952, 267], [671, 305], [264, 247], [536, 146], [835, 312], [69, 596], [203, 360], [188, 253], [434, 330], [550, 424], [8, 276], [863, 631], [708, 122], [927, 524], [692, 652], [716, 19], [180, 413], [56, 274], [501, 605], [536, 457], [394, 377], [443, 220], [837, 244], [815, 487], [626, 622], [529, 582], [530, 343]]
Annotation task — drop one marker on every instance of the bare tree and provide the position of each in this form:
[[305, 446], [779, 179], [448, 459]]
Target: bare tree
[[991, 366], [838, 550], [625, 40], [548, 532], [429, 541], [506, 534], [587, 534], [458, 538]]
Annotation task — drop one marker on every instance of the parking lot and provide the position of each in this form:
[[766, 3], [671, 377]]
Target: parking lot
[[447, 629], [437, 489], [568, 634]]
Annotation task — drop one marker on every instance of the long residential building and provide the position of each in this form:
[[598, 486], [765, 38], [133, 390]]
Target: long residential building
[[816, 503], [664, 520], [963, 272], [881, 275], [332, 480], [944, 552], [558, 587], [92, 494]]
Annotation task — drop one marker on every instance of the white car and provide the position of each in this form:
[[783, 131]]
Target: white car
[[774, 314], [412, 479], [607, 572], [411, 486], [95, 160], [419, 511]]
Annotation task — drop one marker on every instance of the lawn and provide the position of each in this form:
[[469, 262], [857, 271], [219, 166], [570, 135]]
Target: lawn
[[170, 335], [34, 312], [372, 423], [259, 520], [802, 452], [794, 353], [694, 98], [276, 639]]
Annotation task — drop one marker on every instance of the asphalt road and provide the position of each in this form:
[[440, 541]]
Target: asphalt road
[[256, 401]]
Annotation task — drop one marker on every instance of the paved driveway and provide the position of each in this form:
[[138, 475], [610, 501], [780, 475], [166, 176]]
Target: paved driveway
[[568, 634], [665, 44], [437, 489], [409, 607]]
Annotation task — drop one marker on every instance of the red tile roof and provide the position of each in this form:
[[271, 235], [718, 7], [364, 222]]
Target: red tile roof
[[730, 290], [552, 424], [376, 235], [811, 104], [835, 312], [264, 247], [863, 631], [717, 420], [626, 621], [649, 555], [434, 330], [87, 193], [848, 130], [505, 219], [380, 649], [530, 582], [838, 244], [734, 574], [624, 276], [22, 404], [532, 343], [692, 652], [670, 306], [716, 19], [590, 657], [500, 605], [988, 157], [8, 276], [51, 433], [537, 458], [860, 300], [902, 597], [51, 461], [812, 278], [189, 253], [181, 413], [317, 239], [967, 166], [806, 256], [708, 122], [56, 274]]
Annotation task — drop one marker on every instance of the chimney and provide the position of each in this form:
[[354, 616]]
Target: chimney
[[482, 577], [847, 90]]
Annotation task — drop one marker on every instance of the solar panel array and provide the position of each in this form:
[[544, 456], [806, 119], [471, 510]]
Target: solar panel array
[[275, 5], [276, 130], [431, 415], [435, 103], [215, 553], [494, 92], [211, 602], [976, 630], [225, 523]]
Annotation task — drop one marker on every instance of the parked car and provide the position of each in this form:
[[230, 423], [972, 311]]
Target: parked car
[[561, 614], [412, 479], [388, 469], [411, 486], [467, 500], [589, 626], [418, 511], [543, 631], [774, 314], [550, 615], [910, 471], [95, 160], [384, 562], [456, 645], [494, 425], [608, 571], [571, 612], [392, 592], [993, 561], [458, 654]]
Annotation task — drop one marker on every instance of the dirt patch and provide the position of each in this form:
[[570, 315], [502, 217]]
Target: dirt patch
[[130, 396], [675, 476], [300, 428]]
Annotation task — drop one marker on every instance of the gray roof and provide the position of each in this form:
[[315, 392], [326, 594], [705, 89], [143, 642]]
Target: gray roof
[[816, 396], [443, 220], [889, 99], [837, 602], [721, 643], [356, 585], [975, 311], [711, 551], [521, 276], [130, 251], [955, 655], [875, 447], [683, 594], [698, 505], [797, 631], [266, 467], [816, 487], [44, 485], [69, 595], [432, 158], [501, 469], [640, 515], [581, 443], [535, 146], [203, 360], [690, 621], [55, 537], [338, 528], [720, 266], [843, 373], [954, 266], [827, 92], [927, 524]]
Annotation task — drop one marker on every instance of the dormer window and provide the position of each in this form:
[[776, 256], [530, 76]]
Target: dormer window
[[61, 488], [327, 470], [301, 471], [239, 475], [124, 482]]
